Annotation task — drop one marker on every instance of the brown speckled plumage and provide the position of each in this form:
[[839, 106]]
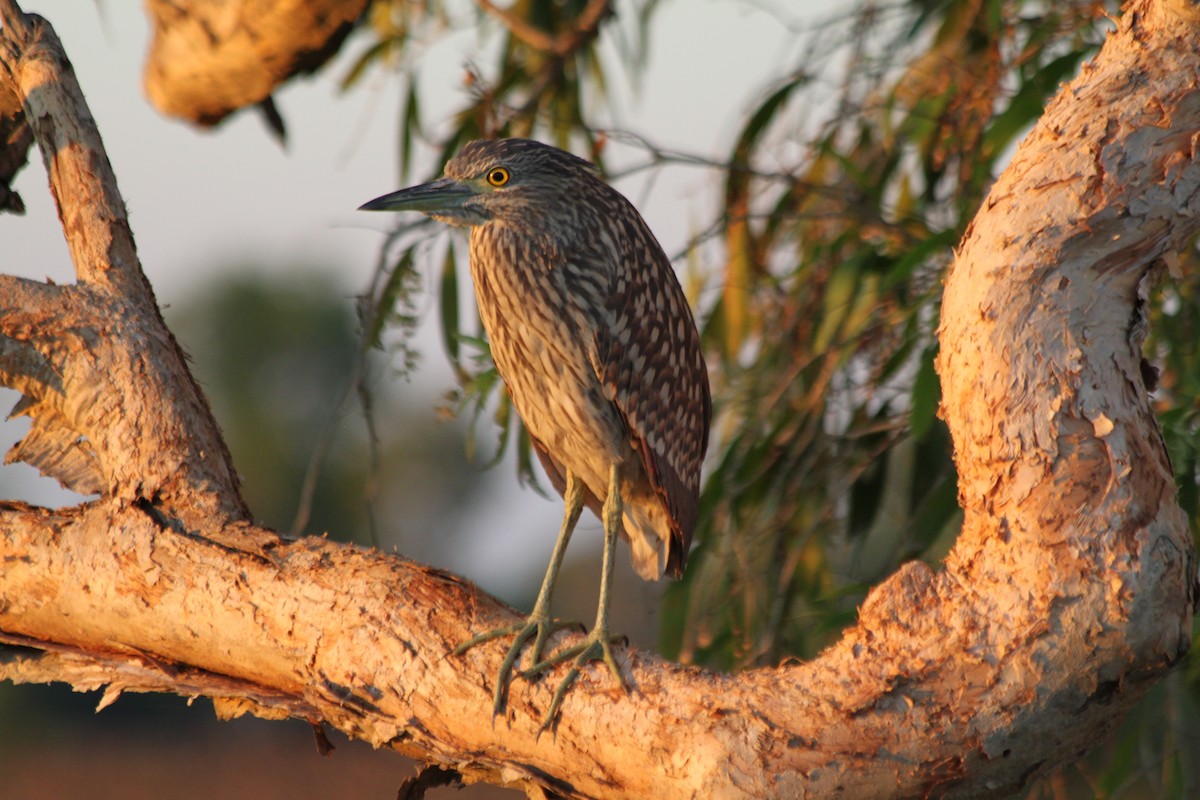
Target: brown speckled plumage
[[593, 336], [594, 339]]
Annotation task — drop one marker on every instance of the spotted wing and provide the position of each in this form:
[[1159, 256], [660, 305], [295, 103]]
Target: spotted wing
[[650, 363]]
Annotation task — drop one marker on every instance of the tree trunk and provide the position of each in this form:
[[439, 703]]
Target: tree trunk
[[1068, 593]]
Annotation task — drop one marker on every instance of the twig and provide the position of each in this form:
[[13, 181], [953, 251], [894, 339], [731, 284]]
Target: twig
[[530, 35]]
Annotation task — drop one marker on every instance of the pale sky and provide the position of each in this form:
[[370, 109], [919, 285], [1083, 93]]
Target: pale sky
[[201, 199]]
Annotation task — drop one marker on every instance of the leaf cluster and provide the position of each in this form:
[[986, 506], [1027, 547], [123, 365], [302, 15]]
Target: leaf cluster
[[832, 467]]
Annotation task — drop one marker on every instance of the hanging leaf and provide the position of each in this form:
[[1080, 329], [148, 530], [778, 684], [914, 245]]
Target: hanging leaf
[[926, 396], [449, 311]]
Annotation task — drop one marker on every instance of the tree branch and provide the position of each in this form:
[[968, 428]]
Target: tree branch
[[208, 60], [1068, 594], [562, 44], [129, 402]]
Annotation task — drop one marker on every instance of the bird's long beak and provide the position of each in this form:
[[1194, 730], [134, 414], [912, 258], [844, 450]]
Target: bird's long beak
[[440, 196]]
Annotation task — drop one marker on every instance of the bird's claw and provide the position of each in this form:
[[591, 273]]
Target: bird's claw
[[582, 653], [508, 630], [540, 624], [596, 647]]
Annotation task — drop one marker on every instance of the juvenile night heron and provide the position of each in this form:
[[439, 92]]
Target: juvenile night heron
[[599, 351]]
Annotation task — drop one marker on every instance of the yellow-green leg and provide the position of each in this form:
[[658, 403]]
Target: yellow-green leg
[[598, 644], [539, 623]]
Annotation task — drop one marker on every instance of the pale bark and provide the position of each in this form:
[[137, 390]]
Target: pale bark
[[209, 58], [1067, 595]]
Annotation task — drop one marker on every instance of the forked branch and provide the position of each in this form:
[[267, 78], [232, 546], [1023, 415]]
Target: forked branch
[[1067, 595]]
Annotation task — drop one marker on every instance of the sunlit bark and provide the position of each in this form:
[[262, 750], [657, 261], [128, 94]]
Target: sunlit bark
[[209, 59], [1068, 593]]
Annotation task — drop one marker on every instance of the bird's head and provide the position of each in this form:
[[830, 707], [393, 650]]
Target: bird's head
[[495, 179]]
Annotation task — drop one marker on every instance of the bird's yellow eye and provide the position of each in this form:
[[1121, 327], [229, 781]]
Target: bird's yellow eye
[[497, 176]]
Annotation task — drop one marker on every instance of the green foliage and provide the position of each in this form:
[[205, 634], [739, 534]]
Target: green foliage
[[1174, 313], [829, 402], [829, 466]]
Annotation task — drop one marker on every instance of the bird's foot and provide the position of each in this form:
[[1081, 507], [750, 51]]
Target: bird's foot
[[596, 647], [539, 626]]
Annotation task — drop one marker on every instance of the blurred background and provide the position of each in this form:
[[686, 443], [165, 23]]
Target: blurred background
[[807, 166]]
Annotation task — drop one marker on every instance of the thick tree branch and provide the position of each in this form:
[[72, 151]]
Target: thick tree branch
[[130, 405], [83, 182], [208, 60], [1067, 595]]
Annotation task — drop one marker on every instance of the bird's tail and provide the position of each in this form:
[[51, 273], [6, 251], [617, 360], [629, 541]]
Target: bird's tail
[[649, 534]]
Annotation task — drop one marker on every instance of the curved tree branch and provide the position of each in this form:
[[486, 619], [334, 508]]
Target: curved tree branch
[[1067, 595]]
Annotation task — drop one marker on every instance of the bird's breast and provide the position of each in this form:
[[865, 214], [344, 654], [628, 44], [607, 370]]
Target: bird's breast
[[541, 319]]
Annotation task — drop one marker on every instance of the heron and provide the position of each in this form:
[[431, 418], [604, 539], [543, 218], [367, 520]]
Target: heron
[[598, 349]]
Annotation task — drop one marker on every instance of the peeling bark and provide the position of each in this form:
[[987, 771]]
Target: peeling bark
[[100, 372], [1068, 593]]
